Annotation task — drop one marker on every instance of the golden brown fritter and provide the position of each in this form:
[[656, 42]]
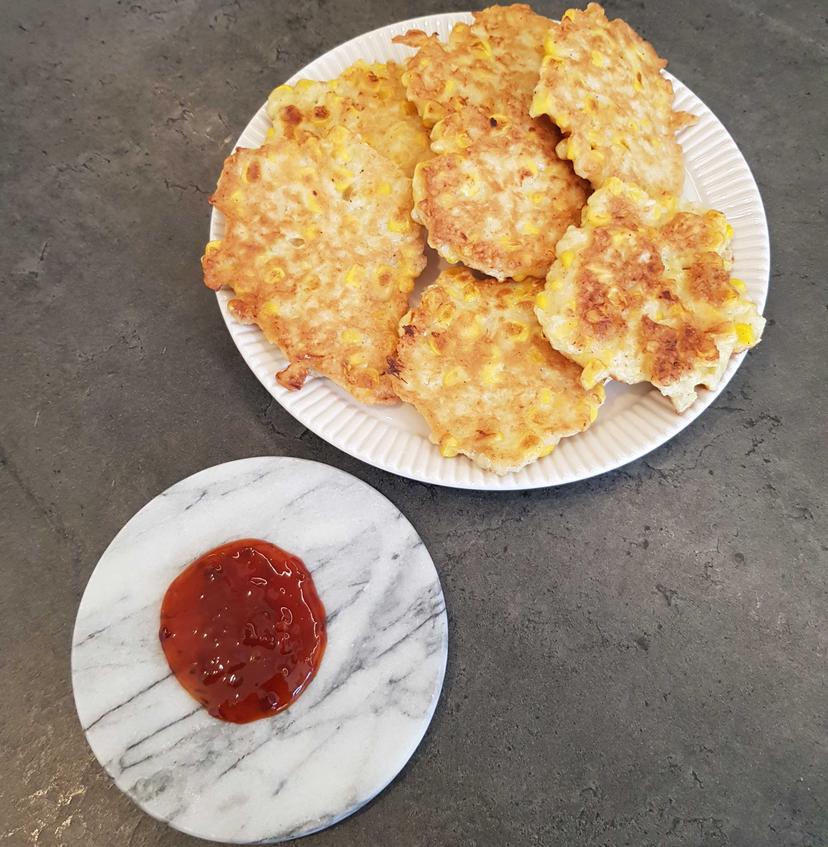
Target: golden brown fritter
[[641, 292], [473, 360], [492, 63], [497, 197], [601, 83], [368, 99], [321, 253]]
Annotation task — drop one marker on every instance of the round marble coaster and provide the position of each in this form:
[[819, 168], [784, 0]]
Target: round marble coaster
[[357, 723]]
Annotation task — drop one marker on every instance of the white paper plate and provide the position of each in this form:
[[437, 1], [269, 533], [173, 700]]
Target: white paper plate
[[633, 421]]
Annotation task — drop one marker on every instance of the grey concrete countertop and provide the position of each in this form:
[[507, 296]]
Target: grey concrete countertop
[[635, 660]]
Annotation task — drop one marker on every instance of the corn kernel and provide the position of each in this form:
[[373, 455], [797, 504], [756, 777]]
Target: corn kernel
[[537, 197], [541, 104], [473, 329], [342, 154], [450, 87], [432, 112], [406, 285], [338, 135], [528, 164], [357, 358], [483, 48], [599, 59], [637, 84], [569, 15], [352, 276], [462, 140], [514, 296], [567, 258], [554, 284], [738, 284], [449, 447], [452, 377], [212, 247], [269, 310], [370, 375], [275, 276], [470, 294], [670, 204], [351, 336], [313, 204], [593, 413], [470, 186], [490, 374], [399, 225], [343, 179], [528, 228], [453, 288], [542, 301], [545, 397], [545, 450], [729, 231], [445, 314], [383, 189], [744, 334], [597, 218], [592, 373]]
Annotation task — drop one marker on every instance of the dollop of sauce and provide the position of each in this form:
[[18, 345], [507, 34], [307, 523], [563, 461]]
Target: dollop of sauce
[[243, 629]]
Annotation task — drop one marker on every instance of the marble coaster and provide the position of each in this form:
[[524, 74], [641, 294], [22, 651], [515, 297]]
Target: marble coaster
[[359, 720]]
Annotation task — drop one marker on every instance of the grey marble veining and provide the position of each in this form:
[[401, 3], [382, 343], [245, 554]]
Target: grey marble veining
[[357, 723]]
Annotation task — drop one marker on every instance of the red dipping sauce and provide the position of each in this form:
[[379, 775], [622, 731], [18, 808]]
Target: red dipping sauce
[[243, 630]]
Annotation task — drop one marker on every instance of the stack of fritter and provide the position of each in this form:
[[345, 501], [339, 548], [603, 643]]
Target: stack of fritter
[[319, 245], [641, 291], [491, 142], [496, 196]]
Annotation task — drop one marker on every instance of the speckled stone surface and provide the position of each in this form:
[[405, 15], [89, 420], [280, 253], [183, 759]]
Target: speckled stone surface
[[636, 660]]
